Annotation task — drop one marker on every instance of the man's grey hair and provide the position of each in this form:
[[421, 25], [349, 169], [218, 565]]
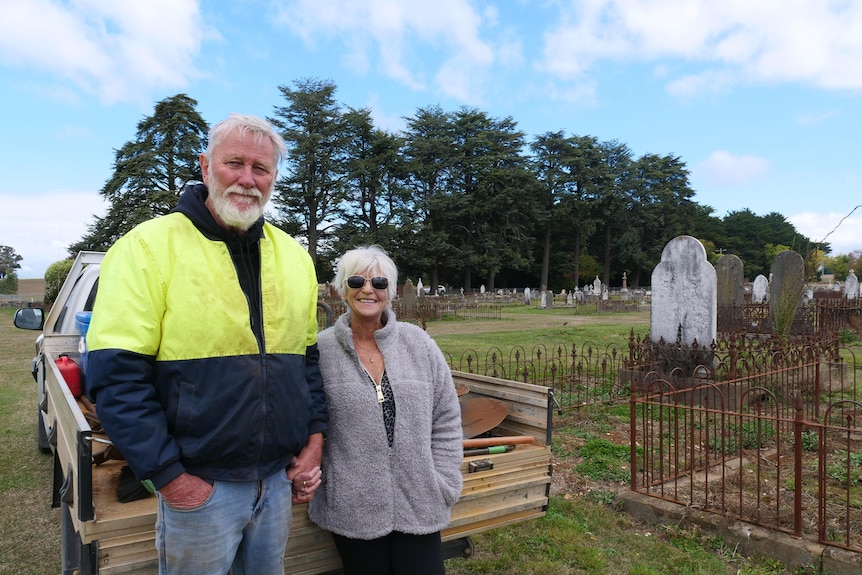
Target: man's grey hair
[[254, 125]]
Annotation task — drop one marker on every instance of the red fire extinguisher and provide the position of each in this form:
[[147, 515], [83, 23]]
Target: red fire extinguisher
[[71, 373]]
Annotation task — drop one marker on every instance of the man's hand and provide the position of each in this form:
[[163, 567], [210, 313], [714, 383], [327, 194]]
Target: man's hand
[[305, 471], [186, 491]]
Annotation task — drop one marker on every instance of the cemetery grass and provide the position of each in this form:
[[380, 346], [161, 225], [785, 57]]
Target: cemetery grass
[[582, 532], [30, 530]]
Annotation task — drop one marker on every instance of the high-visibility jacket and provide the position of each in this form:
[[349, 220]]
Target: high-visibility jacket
[[179, 379]]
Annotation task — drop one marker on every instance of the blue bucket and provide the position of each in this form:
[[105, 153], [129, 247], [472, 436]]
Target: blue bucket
[[82, 324]]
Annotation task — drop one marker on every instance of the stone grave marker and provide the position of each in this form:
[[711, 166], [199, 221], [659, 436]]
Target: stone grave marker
[[683, 294], [729, 278], [409, 295], [785, 289], [760, 289], [851, 286]]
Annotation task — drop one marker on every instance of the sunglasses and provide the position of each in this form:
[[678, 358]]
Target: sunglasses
[[377, 282]]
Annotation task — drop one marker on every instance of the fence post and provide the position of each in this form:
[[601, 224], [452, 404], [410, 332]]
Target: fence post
[[633, 464], [798, 423]]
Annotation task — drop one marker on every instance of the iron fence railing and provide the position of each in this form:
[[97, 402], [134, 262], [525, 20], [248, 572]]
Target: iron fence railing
[[756, 448]]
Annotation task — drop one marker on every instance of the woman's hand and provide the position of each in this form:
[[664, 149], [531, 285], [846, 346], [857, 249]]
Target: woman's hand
[[305, 483]]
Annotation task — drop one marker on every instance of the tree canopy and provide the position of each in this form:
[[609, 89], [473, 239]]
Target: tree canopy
[[458, 198], [150, 171], [9, 263]]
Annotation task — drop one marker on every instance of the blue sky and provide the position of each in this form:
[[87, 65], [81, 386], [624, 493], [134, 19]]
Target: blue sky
[[762, 100]]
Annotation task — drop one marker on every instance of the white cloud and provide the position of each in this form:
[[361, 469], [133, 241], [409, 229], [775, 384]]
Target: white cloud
[[840, 230], [117, 50], [800, 41], [726, 169], [399, 36], [40, 227], [816, 118]]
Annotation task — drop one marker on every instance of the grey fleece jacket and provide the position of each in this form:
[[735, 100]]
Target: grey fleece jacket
[[370, 489]]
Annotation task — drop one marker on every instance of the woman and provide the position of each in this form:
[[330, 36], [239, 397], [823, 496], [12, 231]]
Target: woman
[[394, 446]]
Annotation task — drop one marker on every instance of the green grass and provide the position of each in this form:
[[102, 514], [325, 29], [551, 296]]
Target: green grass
[[563, 326], [30, 530], [582, 537]]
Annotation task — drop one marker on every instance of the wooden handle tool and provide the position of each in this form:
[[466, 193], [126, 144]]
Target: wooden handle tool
[[479, 442]]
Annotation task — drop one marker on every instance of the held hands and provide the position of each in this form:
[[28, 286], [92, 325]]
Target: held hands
[[305, 483], [304, 470]]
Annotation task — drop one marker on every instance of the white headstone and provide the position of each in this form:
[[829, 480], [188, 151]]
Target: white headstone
[[544, 300], [419, 291], [684, 295], [482, 288], [597, 285], [760, 289], [851, 286], [527, 294]]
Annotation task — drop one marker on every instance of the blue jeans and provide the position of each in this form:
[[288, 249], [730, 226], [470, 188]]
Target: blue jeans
[[241, 529]]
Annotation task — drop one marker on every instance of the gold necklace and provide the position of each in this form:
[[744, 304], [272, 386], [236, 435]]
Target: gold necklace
[[369, 353]]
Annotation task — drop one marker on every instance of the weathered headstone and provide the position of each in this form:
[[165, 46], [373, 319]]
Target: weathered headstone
[[729, 278], [625, 287], [527, 294], [851, 286], [409, 294], [760, 289], [550, 299], [419, 289], [597, 286], [683, 294], [569, 298], [544, 301], [482, 288], [785, 290]]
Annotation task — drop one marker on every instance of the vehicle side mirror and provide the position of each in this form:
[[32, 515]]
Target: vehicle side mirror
[[29, 318]]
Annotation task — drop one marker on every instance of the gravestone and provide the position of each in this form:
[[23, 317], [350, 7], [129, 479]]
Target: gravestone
[[785, 290], [597, 286], [851, 286], [409, 294], [419, 289], [550, 299], [569, 298], [683, 294], [760, 289], [544, 301], [527, 294], [729, 278]]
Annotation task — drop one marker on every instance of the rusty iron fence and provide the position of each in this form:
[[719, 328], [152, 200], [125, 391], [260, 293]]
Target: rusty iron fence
[[819, 315], [580, 375], [768, 434], [779, 444]]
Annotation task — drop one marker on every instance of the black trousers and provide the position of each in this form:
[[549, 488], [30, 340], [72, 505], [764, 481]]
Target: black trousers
[[393, 554]]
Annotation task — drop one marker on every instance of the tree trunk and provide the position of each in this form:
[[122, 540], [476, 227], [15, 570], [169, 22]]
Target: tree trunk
[[546, 257], [606, 275]]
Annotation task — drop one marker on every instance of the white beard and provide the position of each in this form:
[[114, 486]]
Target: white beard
[[233, 215]]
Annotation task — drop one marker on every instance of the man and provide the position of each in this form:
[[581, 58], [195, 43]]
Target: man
[[203, 362]]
